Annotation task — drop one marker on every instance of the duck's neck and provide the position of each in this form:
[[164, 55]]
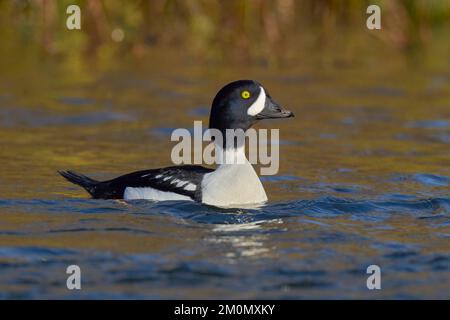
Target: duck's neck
[[231, 155]]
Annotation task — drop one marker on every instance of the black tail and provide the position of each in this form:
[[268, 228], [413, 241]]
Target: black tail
[[81, 180]]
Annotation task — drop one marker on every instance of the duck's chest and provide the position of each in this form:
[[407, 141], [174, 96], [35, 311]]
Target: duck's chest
[[234, 184]]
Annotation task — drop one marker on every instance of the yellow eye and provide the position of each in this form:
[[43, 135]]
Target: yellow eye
[[245, 94]]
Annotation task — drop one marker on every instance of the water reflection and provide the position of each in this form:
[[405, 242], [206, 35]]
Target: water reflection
[[247, 239]]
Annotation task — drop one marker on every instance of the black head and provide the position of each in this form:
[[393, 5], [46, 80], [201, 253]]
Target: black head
[[241, 103]]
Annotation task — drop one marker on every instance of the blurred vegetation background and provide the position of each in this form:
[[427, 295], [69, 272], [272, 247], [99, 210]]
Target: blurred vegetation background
[[268, 32], [138, 69]]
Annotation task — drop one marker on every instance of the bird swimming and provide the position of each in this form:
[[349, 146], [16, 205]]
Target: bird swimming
[[238, 105]]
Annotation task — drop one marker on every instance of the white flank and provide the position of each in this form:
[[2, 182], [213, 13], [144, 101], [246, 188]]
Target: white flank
[[152, 194]]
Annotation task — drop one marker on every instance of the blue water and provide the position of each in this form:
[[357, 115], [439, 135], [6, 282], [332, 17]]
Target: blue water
[[364, 180], [295, 249]]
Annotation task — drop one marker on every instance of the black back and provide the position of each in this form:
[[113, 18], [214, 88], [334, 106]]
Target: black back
[[160, 179]]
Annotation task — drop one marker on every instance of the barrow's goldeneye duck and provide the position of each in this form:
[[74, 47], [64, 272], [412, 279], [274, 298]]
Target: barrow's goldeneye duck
[[238, 105]]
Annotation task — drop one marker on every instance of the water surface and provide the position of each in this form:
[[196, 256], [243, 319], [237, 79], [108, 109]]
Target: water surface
[[364, 179]]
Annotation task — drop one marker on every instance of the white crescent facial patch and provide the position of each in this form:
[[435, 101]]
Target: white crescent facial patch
[[258, 105]]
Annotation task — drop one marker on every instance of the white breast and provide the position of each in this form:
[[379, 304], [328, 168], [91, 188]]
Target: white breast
[[232, 184]]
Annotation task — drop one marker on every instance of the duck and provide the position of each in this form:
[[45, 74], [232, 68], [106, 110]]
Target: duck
[[238, 105]]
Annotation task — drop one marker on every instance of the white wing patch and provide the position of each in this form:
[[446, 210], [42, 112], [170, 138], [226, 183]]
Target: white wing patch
[[190, 187], [258, 105], [181, 184], [155, 194], [149, 174]]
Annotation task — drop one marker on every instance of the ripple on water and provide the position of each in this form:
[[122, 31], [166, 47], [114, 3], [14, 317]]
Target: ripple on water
[[76, 101], [27, 117], [244, 251], [430, 124], [432, 179], [320, 207]]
